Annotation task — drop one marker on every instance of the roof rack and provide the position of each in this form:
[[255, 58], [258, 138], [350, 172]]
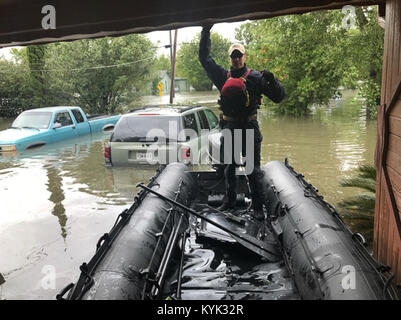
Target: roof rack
[[177, 107]]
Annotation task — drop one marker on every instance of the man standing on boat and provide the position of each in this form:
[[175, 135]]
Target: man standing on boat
[[241, 91]]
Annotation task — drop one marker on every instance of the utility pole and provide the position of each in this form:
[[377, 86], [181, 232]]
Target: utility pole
[[171, 50], [172, 91]]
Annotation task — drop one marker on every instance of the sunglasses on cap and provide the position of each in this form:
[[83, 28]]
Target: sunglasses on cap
[[236, 54]]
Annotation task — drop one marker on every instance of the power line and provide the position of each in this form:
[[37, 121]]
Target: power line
[[96, 67], [88, 68], [166, 46]]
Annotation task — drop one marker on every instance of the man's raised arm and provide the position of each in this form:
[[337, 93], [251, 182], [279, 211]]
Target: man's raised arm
[[215, 72]]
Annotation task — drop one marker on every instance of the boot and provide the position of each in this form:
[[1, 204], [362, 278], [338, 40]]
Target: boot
[[226, 205], [229, 202], [257, 193]]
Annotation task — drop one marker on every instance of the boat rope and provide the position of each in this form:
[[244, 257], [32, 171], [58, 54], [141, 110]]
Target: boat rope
[[161, 273], [313, 193], [160, 236], [387, 284], [170, 244], [185, 235]]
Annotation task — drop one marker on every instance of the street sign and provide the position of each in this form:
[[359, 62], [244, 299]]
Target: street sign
[[160, 87]]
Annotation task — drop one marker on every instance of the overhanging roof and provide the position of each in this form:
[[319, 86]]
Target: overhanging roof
[[21, 20]]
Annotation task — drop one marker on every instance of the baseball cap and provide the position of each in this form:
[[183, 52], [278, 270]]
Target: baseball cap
[[236, 46]]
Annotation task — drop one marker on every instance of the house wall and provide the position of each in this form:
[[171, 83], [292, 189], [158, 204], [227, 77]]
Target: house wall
[[387, 242], [181, 85]]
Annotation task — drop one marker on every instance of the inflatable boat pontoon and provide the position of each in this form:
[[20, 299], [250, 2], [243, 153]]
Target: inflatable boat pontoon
[[173, 243]]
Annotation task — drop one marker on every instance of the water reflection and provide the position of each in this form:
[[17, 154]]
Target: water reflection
[[326, 147], [65, 180], [125, 180], [55, 186]]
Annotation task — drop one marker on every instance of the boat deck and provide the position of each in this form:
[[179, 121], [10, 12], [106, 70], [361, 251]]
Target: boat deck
[[220, 266]]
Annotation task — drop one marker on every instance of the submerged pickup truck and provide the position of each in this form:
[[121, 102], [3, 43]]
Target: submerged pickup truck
[[38, 127]]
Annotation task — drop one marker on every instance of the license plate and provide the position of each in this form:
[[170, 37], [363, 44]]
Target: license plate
[[8, 154], [148, 156]]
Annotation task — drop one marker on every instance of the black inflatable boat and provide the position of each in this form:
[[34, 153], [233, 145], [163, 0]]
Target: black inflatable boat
[[173, 243]]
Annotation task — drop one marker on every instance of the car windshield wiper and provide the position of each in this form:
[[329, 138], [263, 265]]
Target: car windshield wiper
[[155, 139], [30, 128], [129, 139], [144, 139], [15, 128]]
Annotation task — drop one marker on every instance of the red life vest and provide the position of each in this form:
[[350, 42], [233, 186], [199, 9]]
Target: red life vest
[[234, 99]]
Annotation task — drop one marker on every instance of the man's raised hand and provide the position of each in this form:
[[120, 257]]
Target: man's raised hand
[[207, 27]]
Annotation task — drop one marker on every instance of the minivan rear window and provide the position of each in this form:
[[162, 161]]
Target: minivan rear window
[[213, 121], [137, 128], [203, 120]]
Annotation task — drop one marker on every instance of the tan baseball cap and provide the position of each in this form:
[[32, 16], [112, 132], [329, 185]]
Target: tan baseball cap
[[236, 46]]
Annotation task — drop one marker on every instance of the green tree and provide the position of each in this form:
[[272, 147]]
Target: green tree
[[100, 75], [303, 51], [31, 61], [163, 63], [23, 82], [15, 93], [188, 64], [35, 55], [364, 52]]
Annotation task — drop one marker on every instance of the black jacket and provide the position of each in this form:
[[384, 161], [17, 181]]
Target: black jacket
[[256, 83]]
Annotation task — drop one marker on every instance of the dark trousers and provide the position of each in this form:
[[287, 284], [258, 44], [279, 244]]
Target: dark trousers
[[255, 177]]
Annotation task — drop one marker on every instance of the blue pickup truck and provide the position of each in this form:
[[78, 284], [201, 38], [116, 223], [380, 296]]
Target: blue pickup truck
[[38, 127]]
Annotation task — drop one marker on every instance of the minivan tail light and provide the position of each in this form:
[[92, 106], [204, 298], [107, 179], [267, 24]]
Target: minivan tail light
[[107, 153], [186, 153]]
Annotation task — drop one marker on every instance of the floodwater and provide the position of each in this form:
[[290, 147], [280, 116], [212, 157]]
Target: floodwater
[[55, 203]]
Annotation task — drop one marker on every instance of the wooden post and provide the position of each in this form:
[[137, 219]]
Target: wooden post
[[387, 221], [172, 91], [171, 49]]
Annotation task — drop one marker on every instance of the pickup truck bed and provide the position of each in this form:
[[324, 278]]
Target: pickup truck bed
[[96, 116]]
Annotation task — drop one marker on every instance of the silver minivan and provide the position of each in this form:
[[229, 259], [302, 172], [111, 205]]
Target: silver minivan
[[155, 135]]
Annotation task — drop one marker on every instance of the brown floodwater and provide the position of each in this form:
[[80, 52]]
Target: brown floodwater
[[55, 203]]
